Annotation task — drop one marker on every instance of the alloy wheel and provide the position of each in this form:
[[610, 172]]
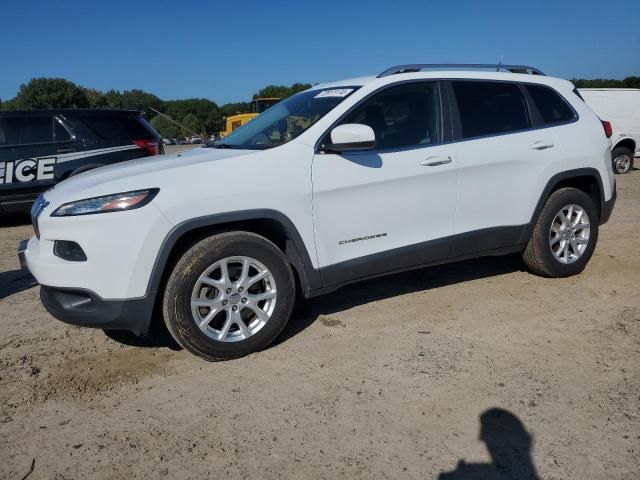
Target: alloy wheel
[[569, 233], [233, 299]]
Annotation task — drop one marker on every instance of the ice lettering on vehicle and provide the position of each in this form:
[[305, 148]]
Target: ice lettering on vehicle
[[27, 170]]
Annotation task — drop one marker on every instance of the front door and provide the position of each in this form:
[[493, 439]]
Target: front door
[[392, 207]]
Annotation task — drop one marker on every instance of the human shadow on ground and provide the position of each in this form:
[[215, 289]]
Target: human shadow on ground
[[509, 445], [15, 281]]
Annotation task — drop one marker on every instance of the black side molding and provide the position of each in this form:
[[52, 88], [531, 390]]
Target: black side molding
[[478, 243]]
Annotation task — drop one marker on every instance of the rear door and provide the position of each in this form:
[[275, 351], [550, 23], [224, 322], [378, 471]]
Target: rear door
[[391, 207], [30, 148], [504, 164]]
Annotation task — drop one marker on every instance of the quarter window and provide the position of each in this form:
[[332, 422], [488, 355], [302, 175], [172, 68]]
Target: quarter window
[[61, 134], [551, 105], [402, 116], [490, 108]]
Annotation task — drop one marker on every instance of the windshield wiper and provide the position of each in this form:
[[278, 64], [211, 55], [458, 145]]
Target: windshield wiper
[[227, 145]]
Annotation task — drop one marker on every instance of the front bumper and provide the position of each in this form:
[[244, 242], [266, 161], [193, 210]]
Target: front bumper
[[86, 309]]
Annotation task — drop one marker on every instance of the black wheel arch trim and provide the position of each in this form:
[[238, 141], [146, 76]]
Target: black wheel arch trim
[[604, 208], [295, 249]]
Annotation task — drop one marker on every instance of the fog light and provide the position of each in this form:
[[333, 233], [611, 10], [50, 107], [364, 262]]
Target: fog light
[[68, 250]]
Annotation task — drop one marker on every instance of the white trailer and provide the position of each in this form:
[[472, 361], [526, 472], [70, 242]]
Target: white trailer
[[621, 107]]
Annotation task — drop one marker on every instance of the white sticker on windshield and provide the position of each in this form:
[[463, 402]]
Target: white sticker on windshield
[[334, 92]]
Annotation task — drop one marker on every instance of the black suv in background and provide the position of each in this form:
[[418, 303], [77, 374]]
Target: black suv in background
[[42, 147]]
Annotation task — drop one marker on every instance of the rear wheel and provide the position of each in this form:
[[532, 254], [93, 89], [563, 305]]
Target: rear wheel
[[229, 295], [564, 236], [622, 159]]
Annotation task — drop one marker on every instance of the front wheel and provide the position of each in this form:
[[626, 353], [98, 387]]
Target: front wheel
[[229, 295], [564, 236], [622, 159]]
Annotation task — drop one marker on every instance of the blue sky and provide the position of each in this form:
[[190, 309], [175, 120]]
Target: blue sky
[[227, 50]]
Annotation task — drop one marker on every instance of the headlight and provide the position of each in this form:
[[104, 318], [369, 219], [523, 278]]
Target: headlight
[[107, 203]]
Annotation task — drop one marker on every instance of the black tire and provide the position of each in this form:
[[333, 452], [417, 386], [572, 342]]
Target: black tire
[[182, 280], [622, 160], [538, 254]]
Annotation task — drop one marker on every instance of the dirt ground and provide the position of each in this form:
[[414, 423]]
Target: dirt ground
[[399, 377]]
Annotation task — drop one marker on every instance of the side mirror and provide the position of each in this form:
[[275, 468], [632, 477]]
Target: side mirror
[[352, 136]]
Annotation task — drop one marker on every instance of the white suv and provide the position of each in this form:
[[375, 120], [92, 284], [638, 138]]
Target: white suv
[[345, 181]]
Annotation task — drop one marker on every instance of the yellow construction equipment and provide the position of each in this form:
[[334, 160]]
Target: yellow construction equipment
[[257, 106]]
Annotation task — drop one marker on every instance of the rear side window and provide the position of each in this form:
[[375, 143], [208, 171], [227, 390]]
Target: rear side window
[[552, 107], [26, 130], [490, 108], [115, 126]]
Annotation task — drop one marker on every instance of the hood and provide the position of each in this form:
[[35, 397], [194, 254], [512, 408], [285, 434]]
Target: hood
[[89, 183]]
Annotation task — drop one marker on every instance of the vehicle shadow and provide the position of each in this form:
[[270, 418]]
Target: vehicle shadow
[[158, 337], [306, 312], [15, 220], [15, 281], [509, 445]]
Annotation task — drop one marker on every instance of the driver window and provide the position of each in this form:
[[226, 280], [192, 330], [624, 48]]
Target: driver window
[[402, 116]]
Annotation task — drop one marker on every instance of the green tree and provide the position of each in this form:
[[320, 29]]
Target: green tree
[[234, 108], [192, 125], [206, 111], [135, 100], [9, 105], [281, 91], [44, 93], [165, 127], [96, 98], [629, 82]]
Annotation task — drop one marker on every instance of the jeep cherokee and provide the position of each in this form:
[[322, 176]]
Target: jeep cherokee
[[420, 165]]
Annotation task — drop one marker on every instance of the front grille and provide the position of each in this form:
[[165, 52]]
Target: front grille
[[39, 205]]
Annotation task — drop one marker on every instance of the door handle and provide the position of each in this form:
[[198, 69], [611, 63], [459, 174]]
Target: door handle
[[435, 161], [541, 145], [66, 150]]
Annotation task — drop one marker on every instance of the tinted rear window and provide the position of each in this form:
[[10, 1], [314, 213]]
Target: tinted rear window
[[490, 108], [26, 130], [111, 126], [552, 107]]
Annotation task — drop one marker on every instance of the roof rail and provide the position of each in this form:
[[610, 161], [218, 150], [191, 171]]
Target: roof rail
[[416, 67]]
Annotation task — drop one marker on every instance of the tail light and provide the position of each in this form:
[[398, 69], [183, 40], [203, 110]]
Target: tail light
[[607, 128], [148, 145]]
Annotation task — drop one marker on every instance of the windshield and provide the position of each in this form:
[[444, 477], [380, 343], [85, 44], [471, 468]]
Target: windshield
[[286, 120]]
